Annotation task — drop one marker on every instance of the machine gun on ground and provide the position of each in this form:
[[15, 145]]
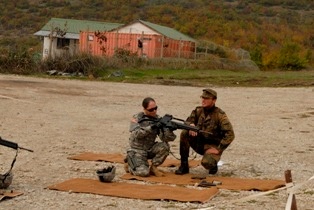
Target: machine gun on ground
[[6, 179], [12, 145]]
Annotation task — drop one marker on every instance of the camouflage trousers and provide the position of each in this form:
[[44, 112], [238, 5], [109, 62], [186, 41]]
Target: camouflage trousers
[[199, 145], [139, 158]]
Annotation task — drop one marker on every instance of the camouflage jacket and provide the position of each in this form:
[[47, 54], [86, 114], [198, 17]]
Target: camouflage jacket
[[143, 136], [216, 122]]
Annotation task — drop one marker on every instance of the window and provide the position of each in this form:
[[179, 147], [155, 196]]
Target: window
[[63, 43]]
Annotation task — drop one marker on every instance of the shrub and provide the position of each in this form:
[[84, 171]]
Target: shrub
[[17, 61], [290, 57]]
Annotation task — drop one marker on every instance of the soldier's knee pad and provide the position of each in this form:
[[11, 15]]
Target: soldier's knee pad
[[208, 161], [142, 171]]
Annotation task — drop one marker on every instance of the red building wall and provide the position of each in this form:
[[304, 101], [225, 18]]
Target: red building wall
[[144, 45]]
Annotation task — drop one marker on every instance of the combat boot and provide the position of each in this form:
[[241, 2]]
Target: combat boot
[[154, 171], [183, 169], [213, 170], [126, 168], [126, 165]]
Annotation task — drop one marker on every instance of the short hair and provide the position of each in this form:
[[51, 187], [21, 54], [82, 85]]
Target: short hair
[[146, 102]]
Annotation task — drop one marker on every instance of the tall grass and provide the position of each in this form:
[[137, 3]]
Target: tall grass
[[133, 69]]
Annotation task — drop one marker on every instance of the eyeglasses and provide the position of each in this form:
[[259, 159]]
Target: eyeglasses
[[152, 109]]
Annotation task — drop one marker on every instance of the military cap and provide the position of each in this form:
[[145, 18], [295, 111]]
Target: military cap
[[209, 93]]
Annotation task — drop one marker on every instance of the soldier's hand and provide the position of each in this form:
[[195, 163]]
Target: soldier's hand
[[192, 133], [212, 150], [157, 125]]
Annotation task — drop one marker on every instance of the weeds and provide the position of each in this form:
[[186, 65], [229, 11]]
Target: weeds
[[134, 69]]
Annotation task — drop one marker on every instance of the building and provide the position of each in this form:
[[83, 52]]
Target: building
[[140, 38], [62, 35]]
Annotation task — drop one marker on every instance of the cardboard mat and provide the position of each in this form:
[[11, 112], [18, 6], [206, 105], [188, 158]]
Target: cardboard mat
[[137, 191], [118, 158], [9, 194], [229, 183]]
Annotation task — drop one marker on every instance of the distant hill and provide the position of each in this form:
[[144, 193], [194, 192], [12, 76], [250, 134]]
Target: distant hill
[[263, 27]]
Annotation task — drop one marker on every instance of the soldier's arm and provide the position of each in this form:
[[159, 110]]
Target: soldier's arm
[[137, 130], [167, 135], [227, 130]]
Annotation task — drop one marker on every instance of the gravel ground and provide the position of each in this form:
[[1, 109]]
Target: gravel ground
[[59, 118]]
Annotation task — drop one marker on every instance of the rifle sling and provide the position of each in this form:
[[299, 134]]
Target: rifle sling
[[12, 164]]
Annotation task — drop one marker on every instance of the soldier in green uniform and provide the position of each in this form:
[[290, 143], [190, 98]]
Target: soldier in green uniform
[[211, 144], [143, 141]]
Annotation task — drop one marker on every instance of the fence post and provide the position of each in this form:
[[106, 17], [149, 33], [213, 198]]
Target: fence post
[[162, 47], [293, 205]]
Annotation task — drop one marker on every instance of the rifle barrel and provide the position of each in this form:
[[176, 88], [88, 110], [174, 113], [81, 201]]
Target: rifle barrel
[[12, 145], [29, 150]]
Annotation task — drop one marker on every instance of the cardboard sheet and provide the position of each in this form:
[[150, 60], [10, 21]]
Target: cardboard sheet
[[229, 183], [136, 191], [9, 194], [118, 158]]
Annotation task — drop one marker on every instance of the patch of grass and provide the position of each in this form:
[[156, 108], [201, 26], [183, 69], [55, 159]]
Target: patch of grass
[[229, 78], [310, 192]]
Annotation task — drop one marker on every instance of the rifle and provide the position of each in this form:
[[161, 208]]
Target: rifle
[[6, 178], [173, 123], [12, 145]]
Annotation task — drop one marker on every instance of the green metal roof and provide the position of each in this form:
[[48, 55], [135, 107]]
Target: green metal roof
[[72, 26], [168, 32], [75, 26]]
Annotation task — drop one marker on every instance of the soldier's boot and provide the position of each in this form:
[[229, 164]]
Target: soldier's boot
[[126, 165], [183, 169], [126, 168], [213, 170], [154, 171]]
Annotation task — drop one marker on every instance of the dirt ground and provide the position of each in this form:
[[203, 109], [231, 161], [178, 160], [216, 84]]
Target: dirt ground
[[59, 118]]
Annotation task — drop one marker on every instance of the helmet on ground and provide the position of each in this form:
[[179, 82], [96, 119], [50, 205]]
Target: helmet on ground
[[6, 180], [106, 174]]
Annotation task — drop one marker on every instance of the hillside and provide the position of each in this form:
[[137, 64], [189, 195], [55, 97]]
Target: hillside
[[263, 27]]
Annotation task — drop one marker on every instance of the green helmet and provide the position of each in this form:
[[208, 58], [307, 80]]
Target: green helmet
[[107, 174], [6, 180]]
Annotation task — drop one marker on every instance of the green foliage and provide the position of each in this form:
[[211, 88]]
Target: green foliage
[[17, 61], [82, 64], [124, 54], [257, 55], [290, 57], [230, 23]]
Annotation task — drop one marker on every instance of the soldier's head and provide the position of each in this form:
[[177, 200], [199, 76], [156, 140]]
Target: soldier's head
[[209, 97], [150, 107]]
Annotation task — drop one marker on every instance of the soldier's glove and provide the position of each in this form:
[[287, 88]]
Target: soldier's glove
[[158, 124]]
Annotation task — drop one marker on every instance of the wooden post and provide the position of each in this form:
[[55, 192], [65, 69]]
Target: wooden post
[[162, 47], [288, 178], [180, 48], [50, 43], [195, 45], [142, 39]]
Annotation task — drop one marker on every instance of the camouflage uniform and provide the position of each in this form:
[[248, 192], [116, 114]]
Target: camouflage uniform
[[214, 121], [143, 144]]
